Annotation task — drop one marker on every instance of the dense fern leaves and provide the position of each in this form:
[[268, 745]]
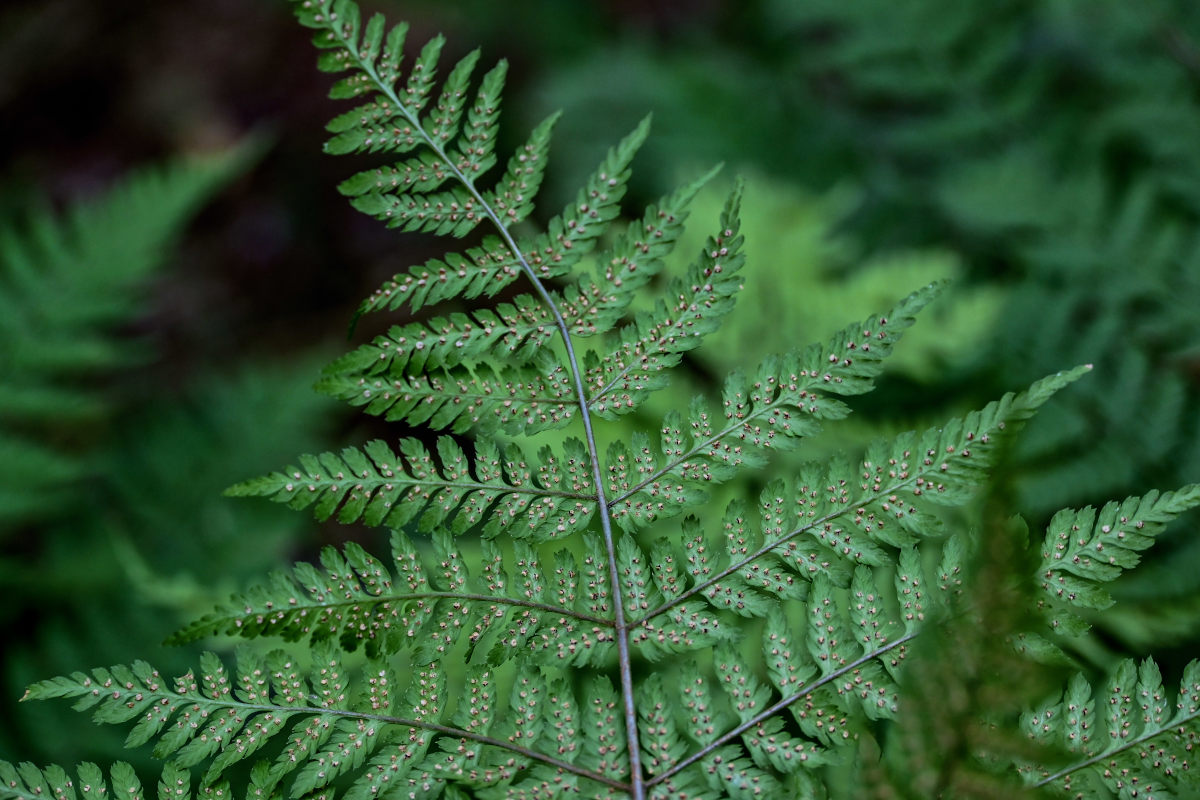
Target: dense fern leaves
[[1127, 738], [786, 399], [540, 629]]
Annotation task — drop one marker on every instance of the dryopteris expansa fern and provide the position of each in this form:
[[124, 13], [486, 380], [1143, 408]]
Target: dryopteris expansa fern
[[527, 675]]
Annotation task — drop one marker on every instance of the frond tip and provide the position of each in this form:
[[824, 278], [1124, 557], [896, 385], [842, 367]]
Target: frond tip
[[1086, 548]]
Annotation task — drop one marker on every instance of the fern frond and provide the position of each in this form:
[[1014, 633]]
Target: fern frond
[[513, 399], [27, 782], [517, 330], [1087, 548], [529, 607], [338, 727], [786, 399], [1129, 739], [545, 499], [496, 669], [656, 341]]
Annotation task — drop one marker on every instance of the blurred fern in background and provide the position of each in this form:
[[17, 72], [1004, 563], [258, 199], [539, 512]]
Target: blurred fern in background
[[106, 461]]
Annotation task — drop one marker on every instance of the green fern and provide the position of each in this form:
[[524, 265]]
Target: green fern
[[529, 675], [1132, 739], [65, 285]]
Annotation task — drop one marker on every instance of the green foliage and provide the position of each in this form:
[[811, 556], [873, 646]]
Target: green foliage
[[798, 252], [66, 285], [143, 456], [800, 633], [1050, 146], [1141, 743]]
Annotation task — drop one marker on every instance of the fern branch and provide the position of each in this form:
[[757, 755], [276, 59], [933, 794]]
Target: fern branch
[[785, 402], [1086, 548], [1130, 746], [972, 440], [779, 705], [1115, 744], [359, 601], [543, 500], [121, 693], [518, 400]]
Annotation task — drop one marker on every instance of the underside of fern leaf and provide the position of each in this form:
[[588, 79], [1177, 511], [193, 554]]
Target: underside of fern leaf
[[556, 625]]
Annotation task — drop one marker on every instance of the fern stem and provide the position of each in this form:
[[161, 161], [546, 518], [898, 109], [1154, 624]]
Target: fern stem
[[620, 624], [1175, 724], [777, 707]]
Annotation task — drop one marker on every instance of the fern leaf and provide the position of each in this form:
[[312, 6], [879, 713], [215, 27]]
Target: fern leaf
[[358, 600], [547, 499], [1087, 548], [514, 330], [786, 401], [222, 718], [513, 196], [27, 782], [517, 400], [603, 732], [598, 303], [662, 742], [482, 270], [656, 341], [1127, 740], [572, 233]]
